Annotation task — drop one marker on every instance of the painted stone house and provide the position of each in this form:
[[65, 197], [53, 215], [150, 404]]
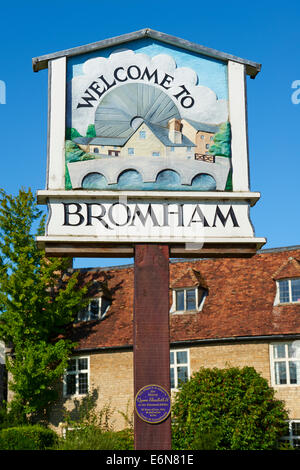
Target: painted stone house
[[223, 312]]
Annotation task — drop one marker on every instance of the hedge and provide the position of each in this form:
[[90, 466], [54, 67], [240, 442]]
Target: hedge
[[27, 437]]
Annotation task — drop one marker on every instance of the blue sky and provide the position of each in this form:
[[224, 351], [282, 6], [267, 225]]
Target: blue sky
[[265, 32]]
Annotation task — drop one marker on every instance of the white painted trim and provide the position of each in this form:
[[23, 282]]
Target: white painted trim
[[145, 239], [175, 366], [198, 307], [238, 121], [285, 360], [251, 197], [76, 373], [277, 295], [56, 124]]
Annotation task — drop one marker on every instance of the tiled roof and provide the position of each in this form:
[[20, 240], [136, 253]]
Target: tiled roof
[[288, 270], [240, 302]]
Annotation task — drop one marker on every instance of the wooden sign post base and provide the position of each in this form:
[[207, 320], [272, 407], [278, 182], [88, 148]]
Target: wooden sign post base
[[151, 338]]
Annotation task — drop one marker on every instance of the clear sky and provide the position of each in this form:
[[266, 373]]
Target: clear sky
[[262, 31]]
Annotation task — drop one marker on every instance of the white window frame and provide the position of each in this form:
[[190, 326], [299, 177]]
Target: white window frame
[[130, 150], [142, 135], [198, 307], [155, 154], [291, 437], [277, 297], [175, 366], [76, 373], [89, 312], [285, 360]]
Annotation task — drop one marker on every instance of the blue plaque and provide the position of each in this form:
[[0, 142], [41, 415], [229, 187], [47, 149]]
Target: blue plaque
[[153, 404]]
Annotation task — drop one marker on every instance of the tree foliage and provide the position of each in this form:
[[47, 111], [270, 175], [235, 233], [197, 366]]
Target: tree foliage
[[38, 298], [233, 408]]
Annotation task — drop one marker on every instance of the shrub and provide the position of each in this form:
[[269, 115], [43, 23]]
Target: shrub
[[227, 409], [93, 438], [27, 437]]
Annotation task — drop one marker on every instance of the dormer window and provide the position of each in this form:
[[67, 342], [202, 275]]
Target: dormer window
[[95, 310], [188, 292], [188, 299], [288, 291]]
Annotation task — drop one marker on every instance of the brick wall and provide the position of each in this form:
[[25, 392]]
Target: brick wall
[[111, 376]]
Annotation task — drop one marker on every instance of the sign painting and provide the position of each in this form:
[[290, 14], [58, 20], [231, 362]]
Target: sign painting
[[150, 119]]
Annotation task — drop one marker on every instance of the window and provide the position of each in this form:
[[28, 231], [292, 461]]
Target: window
[[172, 149], [285, 363], [95, 310], [189, 299], [293, 437], [202, 136], [189, 149], [130, 151], [96, 150], [288, 291], [76, 379], [142, 134], [207, 146], [211, 138], [179, 367], [155, 154]]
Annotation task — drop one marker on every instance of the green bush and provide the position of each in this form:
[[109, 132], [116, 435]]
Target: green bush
[[232, 409], [27, 437], [94, 438]]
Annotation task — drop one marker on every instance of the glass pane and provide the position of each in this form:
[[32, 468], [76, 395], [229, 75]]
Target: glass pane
[[83, 383], [172, 377], [191, 299], [296, 443], [83, 314], [279, 350], [71, 384], [180, 300], [94, 307], [295, 290], [105, 303], [182, 373], [171, 357], [294, 349], [71, 365], [280, 373], [294, 372], [296, 429], [284, 291], [181, 357], [82, 364]]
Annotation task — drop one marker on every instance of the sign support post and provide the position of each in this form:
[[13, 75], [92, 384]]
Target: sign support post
[[151, 344]]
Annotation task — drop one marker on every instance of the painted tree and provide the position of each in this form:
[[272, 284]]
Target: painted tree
[[222, 140], [38, 298], [91, 131]]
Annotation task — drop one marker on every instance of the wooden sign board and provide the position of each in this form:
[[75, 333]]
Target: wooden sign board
[[147, 143]]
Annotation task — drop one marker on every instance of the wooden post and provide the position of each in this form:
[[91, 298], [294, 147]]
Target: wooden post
[[151, 338]]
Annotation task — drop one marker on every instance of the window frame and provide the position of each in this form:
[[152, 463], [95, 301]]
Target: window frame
[[185, 289], [291, 437], [175, 366], [100, 315], [277, 297], [286, 359], [76, 373]]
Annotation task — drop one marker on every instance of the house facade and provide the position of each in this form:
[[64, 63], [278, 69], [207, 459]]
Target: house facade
[[224, 312]]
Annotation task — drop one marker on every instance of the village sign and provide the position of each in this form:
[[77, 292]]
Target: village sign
[[147, 143]]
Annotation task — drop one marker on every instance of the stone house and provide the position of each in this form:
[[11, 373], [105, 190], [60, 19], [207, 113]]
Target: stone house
[[223, 312]]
